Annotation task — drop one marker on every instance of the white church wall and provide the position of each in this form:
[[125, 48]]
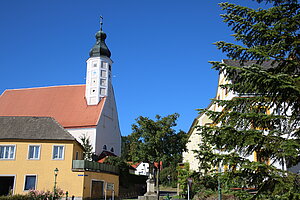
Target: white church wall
[[88, 132], [108, 131]]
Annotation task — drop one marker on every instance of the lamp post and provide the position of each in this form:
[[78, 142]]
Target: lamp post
[[55, 176]]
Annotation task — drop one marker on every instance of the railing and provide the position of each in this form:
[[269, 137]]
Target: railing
[[85, 165]]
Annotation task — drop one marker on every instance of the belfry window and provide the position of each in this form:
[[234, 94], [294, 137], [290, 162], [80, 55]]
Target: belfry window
[[102, 91], [103, 73], [102, 82], [103, 65]]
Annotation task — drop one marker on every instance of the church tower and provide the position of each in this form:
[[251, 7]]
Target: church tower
[[98, 77], [107, 136]]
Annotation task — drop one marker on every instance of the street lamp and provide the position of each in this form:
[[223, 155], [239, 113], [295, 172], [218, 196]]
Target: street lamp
[[55, 176]]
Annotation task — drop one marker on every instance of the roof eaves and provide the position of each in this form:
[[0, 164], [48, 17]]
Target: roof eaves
[[192, 127]]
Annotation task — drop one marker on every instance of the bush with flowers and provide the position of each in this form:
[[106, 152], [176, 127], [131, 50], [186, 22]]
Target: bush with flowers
[[36, 195], [45, 195]]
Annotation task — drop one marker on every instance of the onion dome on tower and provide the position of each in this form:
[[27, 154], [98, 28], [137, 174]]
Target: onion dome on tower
[[100, 48]]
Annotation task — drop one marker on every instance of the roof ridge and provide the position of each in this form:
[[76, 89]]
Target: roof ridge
[[41, 87]]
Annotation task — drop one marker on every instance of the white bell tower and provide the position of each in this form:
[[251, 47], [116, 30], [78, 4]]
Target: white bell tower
[[98, 76], [107, 135]]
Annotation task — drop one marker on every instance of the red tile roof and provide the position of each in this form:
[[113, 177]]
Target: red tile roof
[[135, 165], [66, 104], [102, 160], [156, 165]]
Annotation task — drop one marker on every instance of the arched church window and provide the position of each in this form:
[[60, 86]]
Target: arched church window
[[112, 149], [104, 147]]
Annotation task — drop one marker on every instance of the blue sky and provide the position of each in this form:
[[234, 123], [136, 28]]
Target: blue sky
[[160, 50]]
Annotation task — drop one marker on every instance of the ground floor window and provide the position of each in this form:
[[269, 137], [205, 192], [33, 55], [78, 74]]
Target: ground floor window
[[30, 182], [6, 185]]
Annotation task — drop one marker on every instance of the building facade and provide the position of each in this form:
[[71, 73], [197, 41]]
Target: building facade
[[32, 148], [202, 120]]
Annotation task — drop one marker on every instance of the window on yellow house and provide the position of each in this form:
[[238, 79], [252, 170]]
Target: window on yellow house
[[77, 155], [30, 182], [58, 152], [259, 110], [259, 158], [34, 152], [226, 91], [7, 152]]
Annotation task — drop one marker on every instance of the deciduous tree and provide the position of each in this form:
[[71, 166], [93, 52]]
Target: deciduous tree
[[156, 140]]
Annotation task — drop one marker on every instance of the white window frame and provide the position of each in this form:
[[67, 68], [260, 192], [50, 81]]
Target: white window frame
[[39, 153], [35, 184], [14, 153], [63, 152]]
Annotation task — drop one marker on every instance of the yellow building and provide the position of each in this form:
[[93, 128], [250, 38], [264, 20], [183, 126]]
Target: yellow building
[[194, 141], [31, 148], [203, 119]]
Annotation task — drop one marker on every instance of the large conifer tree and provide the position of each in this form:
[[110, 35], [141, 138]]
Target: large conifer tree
[[244, 127]]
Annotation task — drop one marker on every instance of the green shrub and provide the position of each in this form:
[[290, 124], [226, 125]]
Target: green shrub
[[165, 174], [16, 197], [34, 195]]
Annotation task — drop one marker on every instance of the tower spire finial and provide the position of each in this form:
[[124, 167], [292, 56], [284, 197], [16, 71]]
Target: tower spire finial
[[100, 48], [101, 22]]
